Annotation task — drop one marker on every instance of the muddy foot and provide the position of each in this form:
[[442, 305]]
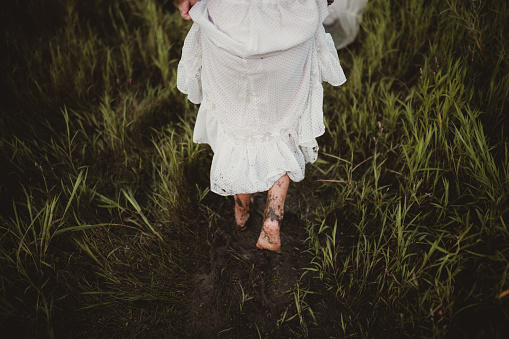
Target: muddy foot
[[242, 213], [241, 219], [269, 236]]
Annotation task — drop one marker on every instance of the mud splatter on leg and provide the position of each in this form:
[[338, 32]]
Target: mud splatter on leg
[[273, 215], [242, 207]]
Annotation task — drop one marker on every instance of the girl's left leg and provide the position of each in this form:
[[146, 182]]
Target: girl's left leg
[[242, 210]]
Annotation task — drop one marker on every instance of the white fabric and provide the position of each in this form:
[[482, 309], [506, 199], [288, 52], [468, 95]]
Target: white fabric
[[344, 19], [256, 67]]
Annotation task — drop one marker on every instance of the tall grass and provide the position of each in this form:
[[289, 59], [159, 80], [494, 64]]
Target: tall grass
[[105, 204], [100, 223], [419, 182]]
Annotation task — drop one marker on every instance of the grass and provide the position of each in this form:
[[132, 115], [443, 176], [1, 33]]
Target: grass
[[108, 229]]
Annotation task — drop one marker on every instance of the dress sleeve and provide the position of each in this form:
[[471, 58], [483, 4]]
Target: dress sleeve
[[328, 60], [189, 67]]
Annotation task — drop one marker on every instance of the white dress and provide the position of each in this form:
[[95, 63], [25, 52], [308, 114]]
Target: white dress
[[256, 67], [344, 19]]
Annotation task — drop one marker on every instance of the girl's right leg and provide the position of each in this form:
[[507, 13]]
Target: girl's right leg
[[274, 210]]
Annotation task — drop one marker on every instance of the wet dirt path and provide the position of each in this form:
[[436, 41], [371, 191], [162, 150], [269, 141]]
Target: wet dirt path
[[243, 291]]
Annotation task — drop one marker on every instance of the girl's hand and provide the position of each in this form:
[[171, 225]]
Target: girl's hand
[[184, 7]]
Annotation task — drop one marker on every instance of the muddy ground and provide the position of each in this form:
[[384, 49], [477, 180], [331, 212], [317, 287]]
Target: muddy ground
[[242, 291]]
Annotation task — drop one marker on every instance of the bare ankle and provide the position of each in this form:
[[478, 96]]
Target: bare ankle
[[242, 210], [269, 238]]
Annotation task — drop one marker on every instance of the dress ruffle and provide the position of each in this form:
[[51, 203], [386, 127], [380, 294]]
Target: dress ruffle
[[328, 60], [189, 67], [257, 166], [248, 163]]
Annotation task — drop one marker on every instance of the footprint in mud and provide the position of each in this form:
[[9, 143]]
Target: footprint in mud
[[242, 289]]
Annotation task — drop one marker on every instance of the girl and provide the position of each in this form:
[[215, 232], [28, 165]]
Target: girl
[[256, 67]]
